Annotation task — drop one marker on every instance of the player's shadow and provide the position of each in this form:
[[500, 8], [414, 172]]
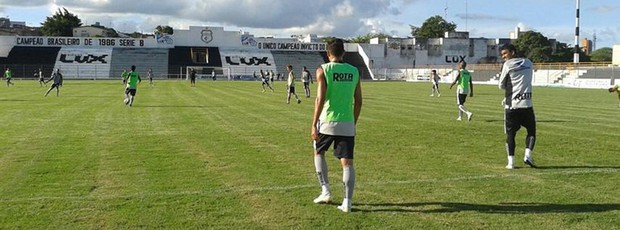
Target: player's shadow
[[578, 167], [13, 100], [176, 106], [502, 208], [538, 121]]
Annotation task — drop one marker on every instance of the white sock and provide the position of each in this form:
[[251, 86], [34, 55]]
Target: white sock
[[464, 109], [528, 154], [511, 160]]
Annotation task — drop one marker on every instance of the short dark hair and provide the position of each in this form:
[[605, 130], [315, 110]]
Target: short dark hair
[[433, 71], [289, 66], [463, 63], [133, 68], [336, 47], [509, 47]]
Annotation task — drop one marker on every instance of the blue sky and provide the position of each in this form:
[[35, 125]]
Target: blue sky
[[342, 18]]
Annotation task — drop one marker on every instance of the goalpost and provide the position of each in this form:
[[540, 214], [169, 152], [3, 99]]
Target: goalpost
[[207, 72]]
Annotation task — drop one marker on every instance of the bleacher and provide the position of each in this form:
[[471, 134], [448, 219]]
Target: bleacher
[[298, 59], [600, 72]]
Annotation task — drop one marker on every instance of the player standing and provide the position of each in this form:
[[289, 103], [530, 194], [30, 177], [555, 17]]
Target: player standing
[[192, 77], [149, 74], [465, 86], [8, 75], [133, 78], [435, 80], [615, 88], [306, 78], [41, 78], [57, 78], [336, 112], [516, 81], [291, 85]]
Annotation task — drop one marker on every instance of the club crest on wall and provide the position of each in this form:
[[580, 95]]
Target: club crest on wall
[[206, 35]]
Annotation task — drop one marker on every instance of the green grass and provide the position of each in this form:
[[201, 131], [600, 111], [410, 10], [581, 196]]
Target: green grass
[[224, 155]]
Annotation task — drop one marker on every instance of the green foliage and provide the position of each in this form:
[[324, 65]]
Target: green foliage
[[164, 29], [60, 24], [433, 27], [366, 38], [224, 155], [534, 46], [602, 55]]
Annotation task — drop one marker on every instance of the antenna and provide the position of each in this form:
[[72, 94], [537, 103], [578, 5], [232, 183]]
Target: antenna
[[594, 41], [445, 11]]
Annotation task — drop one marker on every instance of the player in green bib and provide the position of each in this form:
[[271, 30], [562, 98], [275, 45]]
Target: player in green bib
[[615, 88], [133, 78], [8, 75], [336, 112], [465, 86]]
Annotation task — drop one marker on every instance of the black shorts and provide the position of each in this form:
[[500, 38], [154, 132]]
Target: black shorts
[[461, 98], [132, 92], [54, 86], [306, 85], [291, 89], [343, 145], [515, 118]]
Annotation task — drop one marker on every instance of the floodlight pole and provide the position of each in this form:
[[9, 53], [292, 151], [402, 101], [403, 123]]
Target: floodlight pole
[[576, 56]]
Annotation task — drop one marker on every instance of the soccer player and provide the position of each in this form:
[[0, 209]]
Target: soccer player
[[465, 86], [306, 78], [271, 76], [265, 81], [57, 78], [214, 76], [8, 75], [192, 77], [41, 77], [124, 76], [616, 89], [290, 86], [435, 80], [133, 80], [516, 81], [149, 74], [336, 111]]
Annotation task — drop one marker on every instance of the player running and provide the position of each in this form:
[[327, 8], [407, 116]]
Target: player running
[[265, 81], [8, 75], [133, 79], [57, 78], [291, 85], [124, 76]]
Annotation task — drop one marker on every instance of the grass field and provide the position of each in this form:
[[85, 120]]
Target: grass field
[[224, 155]]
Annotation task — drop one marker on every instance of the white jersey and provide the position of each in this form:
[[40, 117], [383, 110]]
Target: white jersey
[[516, 80]]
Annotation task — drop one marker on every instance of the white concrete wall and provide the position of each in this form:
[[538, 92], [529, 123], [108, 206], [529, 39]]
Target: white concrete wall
[[616, 55]]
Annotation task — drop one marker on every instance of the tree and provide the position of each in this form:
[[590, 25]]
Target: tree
[[60, 24], [534, 46], [366, 38], [602, 54], [164, 29], [433, 27]]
